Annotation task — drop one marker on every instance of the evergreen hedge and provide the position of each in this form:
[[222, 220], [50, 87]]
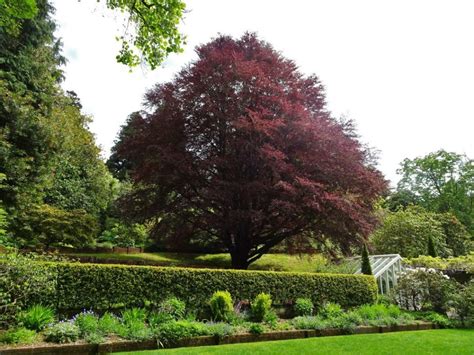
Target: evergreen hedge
[[101, 287]]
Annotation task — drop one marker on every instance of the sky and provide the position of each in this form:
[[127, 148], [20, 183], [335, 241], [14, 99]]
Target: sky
[[402, 70]]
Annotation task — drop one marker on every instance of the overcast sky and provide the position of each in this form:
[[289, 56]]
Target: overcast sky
[[402, 70]]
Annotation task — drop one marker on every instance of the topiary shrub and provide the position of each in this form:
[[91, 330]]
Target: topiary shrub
[[366, 268], [303, 307], [261, 306], [221, 305]]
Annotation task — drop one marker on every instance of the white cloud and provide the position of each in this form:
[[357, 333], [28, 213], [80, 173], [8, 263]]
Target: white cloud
[[401, 69]]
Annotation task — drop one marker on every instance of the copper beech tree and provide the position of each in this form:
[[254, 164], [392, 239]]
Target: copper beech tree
[[240, 147]]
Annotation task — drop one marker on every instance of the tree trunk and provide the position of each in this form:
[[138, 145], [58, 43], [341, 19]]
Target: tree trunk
[[239, 260]]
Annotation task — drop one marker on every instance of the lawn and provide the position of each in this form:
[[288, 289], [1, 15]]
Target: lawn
[[276, 262], [446, 341]]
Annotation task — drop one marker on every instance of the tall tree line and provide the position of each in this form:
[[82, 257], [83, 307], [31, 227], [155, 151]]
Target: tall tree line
[[55, 188]]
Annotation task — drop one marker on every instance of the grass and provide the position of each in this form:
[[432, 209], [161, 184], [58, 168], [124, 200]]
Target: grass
[[276, 262], [446, 341]]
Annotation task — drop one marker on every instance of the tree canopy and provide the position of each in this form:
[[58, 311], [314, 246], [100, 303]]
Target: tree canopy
[[410, 231], [240, 146], [440, 182], [151, 32]]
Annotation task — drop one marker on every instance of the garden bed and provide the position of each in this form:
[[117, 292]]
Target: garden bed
[[121, 345]]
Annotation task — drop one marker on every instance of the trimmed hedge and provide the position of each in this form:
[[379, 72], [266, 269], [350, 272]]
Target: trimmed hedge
[[101, 287]]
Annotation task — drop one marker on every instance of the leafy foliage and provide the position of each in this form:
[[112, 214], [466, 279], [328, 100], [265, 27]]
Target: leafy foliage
[[37, 317], [18, 336], [128, 286], [256, 328], [23, 282], [261, 306], [407, 231], [303, 307], [174, 307], [53, 226], [464, 304], [156, 30], [47, 152], [249, 157], [169, 332], [441, 182], [221, 305], [330, 310], [87, 322], [424, 289], [464, 263], [13, 10], [62, 332], [123, 234]]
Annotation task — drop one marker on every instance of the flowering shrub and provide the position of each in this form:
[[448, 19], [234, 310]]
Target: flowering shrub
[[424, 289]]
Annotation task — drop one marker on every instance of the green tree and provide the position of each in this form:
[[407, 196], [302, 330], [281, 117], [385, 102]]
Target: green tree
[[155, 32], [406, 232], [13, 10], [366, 269], [79, 179], [47, 152], [51, 226], [29, 77], [440, 182]]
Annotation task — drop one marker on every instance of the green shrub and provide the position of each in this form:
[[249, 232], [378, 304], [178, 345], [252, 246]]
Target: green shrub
[[18, 336], [309, 322], [464, 263], [62, 332], [174, 307], [169, 332], [219, 330], [375, 311], [464, 304], [271, 318], [109, 324], [424, 290], [134, 314], [24, 282], [87, 322], [330, 311], [347, 322], [440, 320], [82, 286], [37, 317], [221, 305], [303, 307], [256, 328], [261, 305], [94, 338], [136, 329], [157, 318]]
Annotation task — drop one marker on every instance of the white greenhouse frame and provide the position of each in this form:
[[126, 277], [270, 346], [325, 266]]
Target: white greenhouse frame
[[385, 269]]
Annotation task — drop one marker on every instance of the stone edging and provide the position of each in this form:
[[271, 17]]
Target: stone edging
[[204, 340]]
